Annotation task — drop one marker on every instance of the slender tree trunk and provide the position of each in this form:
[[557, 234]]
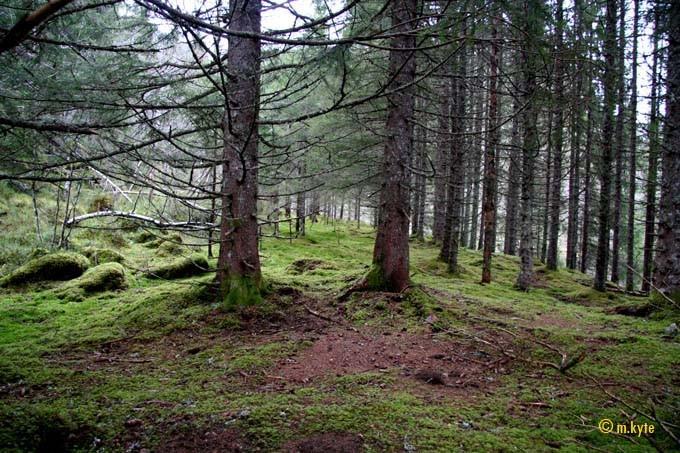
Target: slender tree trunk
[[548, 187], [300, 205], [556, 192], [391, 252], [489, 203], [442, 165], [630, 240], [652, 165], [667, 261], [609, 83], [238, 270], [618, 151], [475, 175], [213, 209], [575, 152], [585, 231], [514, 176]]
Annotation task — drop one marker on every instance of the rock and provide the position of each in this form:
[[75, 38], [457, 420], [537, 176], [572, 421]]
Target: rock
[[671, 330], [105, 277], [55, 266]]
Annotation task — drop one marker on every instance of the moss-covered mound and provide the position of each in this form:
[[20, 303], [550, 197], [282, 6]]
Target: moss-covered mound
[[105, 277], [56, 266], [180, 268], [170, 248], [100, 256]]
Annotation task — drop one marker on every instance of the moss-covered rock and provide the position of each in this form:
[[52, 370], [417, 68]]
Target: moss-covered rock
[[100, 256], [105, 277], [55, 266], [144, 237], [180, 268], [170, 248]]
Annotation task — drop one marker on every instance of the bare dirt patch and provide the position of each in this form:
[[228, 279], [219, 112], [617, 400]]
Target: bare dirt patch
[[213, 440], [340, 352], [327, 443]]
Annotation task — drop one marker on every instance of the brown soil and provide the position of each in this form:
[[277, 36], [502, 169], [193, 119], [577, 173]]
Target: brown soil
[[341, 351], [327, 443], [219, 440]]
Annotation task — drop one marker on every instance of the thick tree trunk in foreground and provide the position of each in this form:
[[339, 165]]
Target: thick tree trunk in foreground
[[532, 30], [391, 254], [609, 82], [489, 202], [630, 239], [238, 272], [667, 262]]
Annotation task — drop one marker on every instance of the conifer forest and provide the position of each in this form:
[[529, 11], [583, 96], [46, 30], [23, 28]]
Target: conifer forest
[[339, 226]]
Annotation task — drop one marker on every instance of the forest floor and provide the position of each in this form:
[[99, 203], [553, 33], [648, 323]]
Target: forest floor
[[450, 365]]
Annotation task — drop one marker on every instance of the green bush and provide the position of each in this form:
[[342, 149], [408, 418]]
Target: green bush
[[180, 268], [56, 266]]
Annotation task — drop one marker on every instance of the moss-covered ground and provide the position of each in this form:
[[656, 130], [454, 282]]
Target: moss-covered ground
[[159, 366]]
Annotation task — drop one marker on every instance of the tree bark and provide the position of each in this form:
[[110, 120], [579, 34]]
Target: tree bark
[[618, 150], [652, 164], [632, 150], [489, 202], [442, 165], [556, 192], [391, 252], [514, 177], [667, 261], [238, 273], [532, 29], [609, 82]]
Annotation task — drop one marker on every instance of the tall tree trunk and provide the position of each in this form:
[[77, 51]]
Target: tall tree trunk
[[556, 192], [667, 261], [475, 175], [585, 231], [300, 205], [630, 240], [514, 176], [489, 202], [548, 188], [609, 83], [618, 144], [418, 184], [391, 253], [441, 177], [575, 152], [652, 164], [532, 29], [238, 270]]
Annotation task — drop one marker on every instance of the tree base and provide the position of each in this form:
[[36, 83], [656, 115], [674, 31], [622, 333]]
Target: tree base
[[240, 292]]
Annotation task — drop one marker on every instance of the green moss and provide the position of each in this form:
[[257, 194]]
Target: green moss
[[180, 268], [375, 279], [101, 255], [168, 248], [56, 266], [241, 291], [105, 277]]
